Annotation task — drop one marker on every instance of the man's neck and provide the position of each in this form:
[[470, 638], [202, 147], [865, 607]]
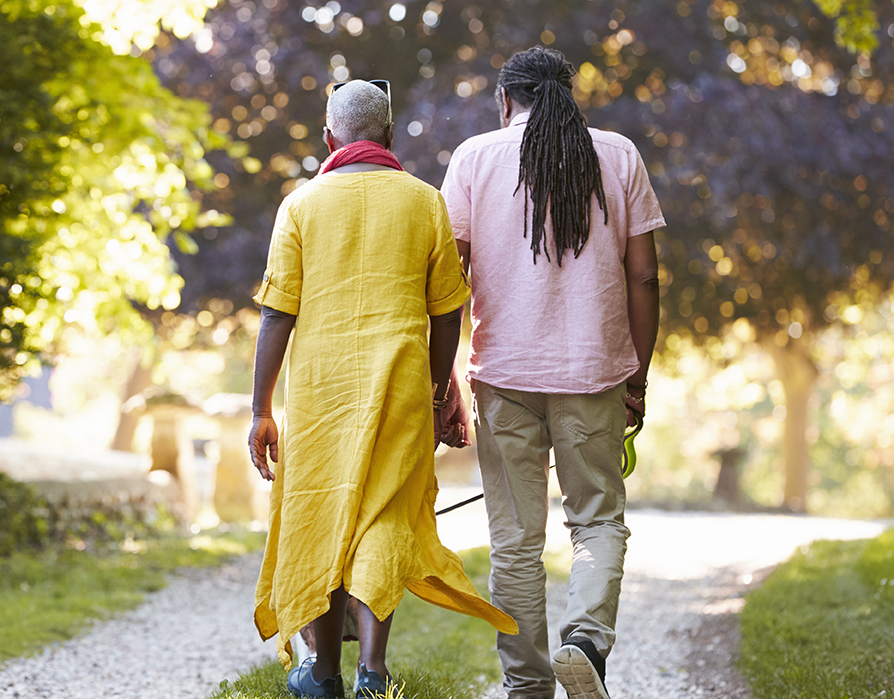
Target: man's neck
[[508, 115]]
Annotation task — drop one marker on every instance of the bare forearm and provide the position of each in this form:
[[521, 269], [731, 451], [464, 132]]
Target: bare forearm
[[453, 392], [641, 269], [643, 313], [273, 338], [443, 342]]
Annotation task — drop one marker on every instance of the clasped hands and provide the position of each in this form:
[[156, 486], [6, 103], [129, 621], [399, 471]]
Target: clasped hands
[[452, 424]]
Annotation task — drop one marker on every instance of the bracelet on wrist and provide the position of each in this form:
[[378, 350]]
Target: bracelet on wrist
[[438, 404], [434, 389], [636, 400]]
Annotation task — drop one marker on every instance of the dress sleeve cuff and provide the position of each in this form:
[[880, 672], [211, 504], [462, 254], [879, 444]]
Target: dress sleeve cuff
[[449, 303], [269, 295]]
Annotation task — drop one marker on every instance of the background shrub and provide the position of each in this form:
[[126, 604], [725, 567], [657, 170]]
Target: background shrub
[[23, 517]]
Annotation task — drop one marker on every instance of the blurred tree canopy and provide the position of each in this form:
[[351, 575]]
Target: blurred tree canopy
[[99, 164], [766, 127]]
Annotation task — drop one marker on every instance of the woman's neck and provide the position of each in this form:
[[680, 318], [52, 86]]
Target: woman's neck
[[361, 167]]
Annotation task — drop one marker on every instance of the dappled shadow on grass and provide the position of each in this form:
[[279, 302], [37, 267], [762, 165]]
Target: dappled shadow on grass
[[823, 624]]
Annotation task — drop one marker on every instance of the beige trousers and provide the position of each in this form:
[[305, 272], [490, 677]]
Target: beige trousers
[[515, 431]]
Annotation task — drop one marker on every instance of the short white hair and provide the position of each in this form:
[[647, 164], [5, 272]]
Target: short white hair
[[357, 111]]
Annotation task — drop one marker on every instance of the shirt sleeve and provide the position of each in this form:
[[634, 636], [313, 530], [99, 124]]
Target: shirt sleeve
[[283, 278], [447, 287], [643, 211], [456, 192]]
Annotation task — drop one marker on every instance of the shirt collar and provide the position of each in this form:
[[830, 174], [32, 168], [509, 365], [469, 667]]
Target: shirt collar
[[520, 119]]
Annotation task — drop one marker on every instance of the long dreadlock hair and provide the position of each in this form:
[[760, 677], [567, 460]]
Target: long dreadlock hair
[[558, 164]]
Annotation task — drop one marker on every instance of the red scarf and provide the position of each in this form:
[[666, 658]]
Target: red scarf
[[360, 152]]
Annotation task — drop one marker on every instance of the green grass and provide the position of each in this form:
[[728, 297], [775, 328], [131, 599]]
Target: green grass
[[822, 625], [51, 595], [437, 654]]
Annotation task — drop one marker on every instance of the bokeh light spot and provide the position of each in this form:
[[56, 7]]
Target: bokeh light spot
[[397, 12]]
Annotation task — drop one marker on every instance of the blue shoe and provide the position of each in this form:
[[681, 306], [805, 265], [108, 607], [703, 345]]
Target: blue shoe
[[302, 683], [370, 684]]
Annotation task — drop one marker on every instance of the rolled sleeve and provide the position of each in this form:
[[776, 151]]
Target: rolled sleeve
[[643, 207], [269, 295], [447, 287], [283, 278]]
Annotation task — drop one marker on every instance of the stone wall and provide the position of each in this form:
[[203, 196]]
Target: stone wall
[[93, 493], [111, 506]]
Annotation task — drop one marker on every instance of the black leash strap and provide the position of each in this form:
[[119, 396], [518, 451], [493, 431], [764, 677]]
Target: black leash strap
[[459, 504]]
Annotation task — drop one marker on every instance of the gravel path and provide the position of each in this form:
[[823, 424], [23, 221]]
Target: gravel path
[[685, 574], [178, 644]]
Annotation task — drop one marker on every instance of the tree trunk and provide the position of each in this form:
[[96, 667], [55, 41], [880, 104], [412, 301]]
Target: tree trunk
[[727, 491], [798, 373], [139, 381]]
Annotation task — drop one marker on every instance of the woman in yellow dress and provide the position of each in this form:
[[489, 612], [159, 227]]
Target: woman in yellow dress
[[360, 258]]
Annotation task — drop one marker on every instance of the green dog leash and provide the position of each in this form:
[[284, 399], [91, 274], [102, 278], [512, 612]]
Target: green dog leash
[[629, 453]]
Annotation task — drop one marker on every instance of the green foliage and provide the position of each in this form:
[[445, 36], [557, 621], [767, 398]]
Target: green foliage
[[99, 165], [50, 596], [129, 23], [22, 524], [117, 525], [437, 654], [822, 626], [856, 23]]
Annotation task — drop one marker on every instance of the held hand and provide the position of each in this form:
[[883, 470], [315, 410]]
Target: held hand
[[263, 434], [455, 422]]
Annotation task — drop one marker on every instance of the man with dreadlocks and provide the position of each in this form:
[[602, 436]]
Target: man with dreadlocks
[[557, 222]]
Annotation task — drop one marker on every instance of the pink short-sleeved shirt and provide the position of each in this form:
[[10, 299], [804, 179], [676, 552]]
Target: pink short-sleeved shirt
[[545, 328]]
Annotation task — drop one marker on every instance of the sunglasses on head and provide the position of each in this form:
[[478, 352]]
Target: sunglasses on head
[[383, 85]]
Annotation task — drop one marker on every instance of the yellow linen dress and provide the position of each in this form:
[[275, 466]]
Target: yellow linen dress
[[363, 259]]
